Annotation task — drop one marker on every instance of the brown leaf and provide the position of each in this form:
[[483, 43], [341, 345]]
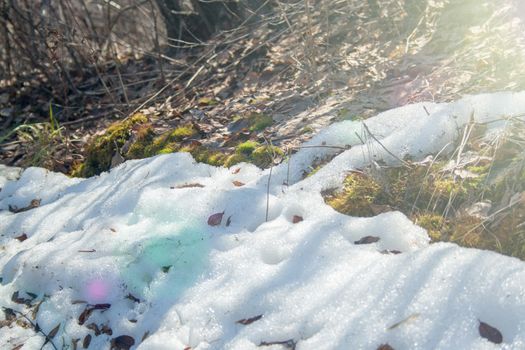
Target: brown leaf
[[106, 330], [84, 315], [93, 326], [215, 219], [236, 170], [287, 344], [238, 183], [490, 333], [53, 332], [296, 219], [386, 251], [122, 342], [18, 347], [190, 185], [385, 347], [112, 229], [247, 321], [22, 237], [34, 204], [86, 341], [367, 240], [86, 251], [16, 299]]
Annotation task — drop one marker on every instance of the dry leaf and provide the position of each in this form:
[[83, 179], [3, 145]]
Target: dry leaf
[[215, 219], [367, 240], [84, 316], [190, 185], [385, 347], [122, 342], [297, 218], [34, 204], [93, 326], [101, 306], [238, 183], [228, 221], [236, 170], [53, 332], [106, 330], [22, 237], [145, 336], [490, 333], [132, 298], [287, 344], [86, 341], [247, 321]]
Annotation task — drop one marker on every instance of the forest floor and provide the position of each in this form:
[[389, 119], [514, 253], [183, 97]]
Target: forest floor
[[277, 81]]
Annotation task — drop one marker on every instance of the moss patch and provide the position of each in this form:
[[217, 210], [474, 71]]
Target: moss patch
[[441, 197], [102, 148]]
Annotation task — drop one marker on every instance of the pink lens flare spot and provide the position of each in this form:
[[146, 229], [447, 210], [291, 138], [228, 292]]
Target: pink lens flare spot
[[98, 290]]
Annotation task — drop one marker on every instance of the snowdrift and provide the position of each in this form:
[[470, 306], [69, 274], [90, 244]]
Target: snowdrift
[[165, 253]]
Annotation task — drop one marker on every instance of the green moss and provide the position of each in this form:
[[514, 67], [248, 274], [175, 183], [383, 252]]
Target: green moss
[[101, 149], [182, 132], [235, 158], [263, 156], [246, 148], [436, 225], [207, 101], [359, 191], [260, 122]]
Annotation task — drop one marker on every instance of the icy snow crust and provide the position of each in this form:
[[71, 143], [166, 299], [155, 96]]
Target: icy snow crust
[[139, 233]]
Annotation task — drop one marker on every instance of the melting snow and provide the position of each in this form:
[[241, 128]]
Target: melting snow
[[137, 238]]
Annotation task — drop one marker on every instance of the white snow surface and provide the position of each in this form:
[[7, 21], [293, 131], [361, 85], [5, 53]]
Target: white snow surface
[[138, 230]]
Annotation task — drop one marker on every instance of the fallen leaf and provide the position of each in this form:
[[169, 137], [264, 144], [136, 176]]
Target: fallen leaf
[[490, 333], [132, 298], [34, 204], [16, 299], [84, 315], [288, 344], [86, 341], [93, 326], [106, 330], [385, 347], [18, 347], [386, 251], [408, 319], [236, 170], [228, 221], [247, 321], [238, 183], [380, 208], [190, 185], [9, 314], [22, 237], [215, 219], [53, 332], [122, 342], [112, 229], [296, 219], [145, 336], [367, 240], [86, 251], [101, 306]]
